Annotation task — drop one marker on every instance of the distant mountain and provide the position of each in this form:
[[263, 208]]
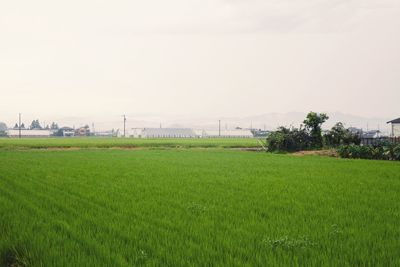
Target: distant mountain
[[269, 121]]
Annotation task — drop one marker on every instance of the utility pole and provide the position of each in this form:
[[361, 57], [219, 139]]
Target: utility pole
[[19, 126], [219, 127], [124, 123]]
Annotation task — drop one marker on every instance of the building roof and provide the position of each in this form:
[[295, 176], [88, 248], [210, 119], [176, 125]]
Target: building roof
[[135, 132], [168, 132], [371, 134], [355, 130], [394, 121], [67, 129], [25, 132], [232, 133]]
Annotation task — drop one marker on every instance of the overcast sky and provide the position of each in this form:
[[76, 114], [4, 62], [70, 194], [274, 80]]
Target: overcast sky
[[199, 57]]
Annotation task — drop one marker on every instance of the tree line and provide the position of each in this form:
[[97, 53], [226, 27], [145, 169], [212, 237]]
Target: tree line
[[35, 125], [309, 136]]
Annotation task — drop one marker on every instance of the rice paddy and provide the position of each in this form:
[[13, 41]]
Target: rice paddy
[[44, 143], [193, 207]]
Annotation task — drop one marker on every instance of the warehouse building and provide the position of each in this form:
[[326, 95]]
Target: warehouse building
[[28, 133], [167, 133], [186, 133], [239, 133]]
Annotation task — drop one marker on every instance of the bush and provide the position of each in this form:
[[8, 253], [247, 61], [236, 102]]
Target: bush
[[382, 151], [309, 136], [396, 152], [339, 135], [285, 139]]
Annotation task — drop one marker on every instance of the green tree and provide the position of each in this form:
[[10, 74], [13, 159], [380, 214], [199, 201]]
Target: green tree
[[35, 125], [54, 126], [288, 139], [3, 129], [3, 126], [339, 135], [313, 123]]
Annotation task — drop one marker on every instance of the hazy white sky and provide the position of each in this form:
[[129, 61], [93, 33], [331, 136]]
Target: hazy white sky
[[199, 57]]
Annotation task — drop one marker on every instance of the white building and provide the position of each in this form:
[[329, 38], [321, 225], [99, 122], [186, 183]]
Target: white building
[[28, 133], [135, 132], [239, 133], [199, 133], [371, 134], [67, 131], [395, 129], [185, 133], [167, 133], [105, 134]]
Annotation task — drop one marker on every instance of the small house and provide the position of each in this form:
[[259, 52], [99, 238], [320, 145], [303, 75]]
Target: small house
[[65, 131], [395, 129], [372, 134]]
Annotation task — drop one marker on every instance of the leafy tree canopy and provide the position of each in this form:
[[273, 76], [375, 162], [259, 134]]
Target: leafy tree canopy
[[54, 126], [3, 126], [35, 125], [313, 123]]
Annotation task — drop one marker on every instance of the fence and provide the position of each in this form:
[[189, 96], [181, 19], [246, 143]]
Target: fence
[[374, 141]]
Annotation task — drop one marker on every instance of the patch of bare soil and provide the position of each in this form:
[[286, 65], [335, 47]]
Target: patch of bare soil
[[127, 148], [79, 148], [327, 153], [60, 148], [257, 149]]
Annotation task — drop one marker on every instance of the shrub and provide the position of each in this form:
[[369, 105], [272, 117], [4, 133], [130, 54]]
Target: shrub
[[338, 135], [313, 123], [396, 152], [309, 136], [382, 151], [285, 139]]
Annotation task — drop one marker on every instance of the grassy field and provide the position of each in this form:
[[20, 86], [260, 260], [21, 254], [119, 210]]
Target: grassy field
[[12, 143], [193, 207]]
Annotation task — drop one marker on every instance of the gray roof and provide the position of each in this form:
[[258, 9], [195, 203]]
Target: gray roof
[[394, 121], [371, 134], [66, 128], [354, 130]]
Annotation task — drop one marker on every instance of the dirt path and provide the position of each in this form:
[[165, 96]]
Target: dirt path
[[328, 152]]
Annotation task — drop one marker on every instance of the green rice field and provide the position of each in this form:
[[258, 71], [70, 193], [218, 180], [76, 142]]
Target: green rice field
[[192, 207], [93, 142]]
